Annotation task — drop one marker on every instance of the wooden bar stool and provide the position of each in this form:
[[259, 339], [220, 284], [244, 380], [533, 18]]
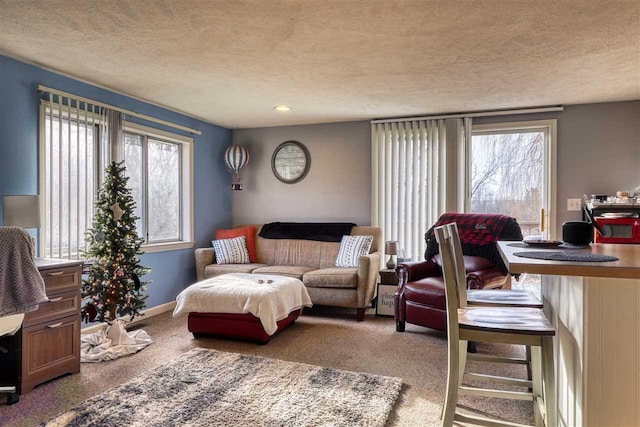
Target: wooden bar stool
[[494, 297], [509, 325]]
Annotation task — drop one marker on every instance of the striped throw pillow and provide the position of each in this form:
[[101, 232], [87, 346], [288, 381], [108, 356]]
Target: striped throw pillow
[[352, 248], [231, 251]]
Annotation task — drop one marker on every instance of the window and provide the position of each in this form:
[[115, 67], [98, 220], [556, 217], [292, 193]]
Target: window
[[510, 170], [155, 168], [159, 166]]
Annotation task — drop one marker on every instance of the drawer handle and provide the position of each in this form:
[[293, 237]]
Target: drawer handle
[[55, 299], [56, 273], [55, 325]]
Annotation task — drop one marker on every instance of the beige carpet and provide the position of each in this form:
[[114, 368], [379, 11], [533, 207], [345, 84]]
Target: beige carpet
[[322, 336]]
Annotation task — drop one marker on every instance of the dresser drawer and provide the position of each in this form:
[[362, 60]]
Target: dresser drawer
[[49, 350], [57, 280], [59, 305]]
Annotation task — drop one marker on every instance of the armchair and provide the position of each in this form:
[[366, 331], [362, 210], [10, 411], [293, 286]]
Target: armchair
[[420, 297]]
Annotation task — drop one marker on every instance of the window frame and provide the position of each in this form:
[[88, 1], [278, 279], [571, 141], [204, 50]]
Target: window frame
[[186, 232], [48, 107], [549, 127]]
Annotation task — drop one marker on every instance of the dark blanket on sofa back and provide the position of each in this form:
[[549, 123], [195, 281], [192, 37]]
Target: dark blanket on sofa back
[[321, 231], [478, 235]]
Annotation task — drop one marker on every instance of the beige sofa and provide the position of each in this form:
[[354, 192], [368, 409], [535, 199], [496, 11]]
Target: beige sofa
[[313, 263]]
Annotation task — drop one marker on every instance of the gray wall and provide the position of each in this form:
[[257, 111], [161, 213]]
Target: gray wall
[[598, 150], [337, 188]]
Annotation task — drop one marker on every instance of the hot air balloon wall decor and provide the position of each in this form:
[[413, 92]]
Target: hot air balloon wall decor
[[236, 157]]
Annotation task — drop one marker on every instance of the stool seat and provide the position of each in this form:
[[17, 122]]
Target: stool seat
[[503, 298], [510, 320]]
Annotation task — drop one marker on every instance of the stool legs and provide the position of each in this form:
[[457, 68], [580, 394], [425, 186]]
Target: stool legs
[[527, 350], [454, 378], [536, 376], [549, 382], [462, 360], [540, 368], [544, 384]]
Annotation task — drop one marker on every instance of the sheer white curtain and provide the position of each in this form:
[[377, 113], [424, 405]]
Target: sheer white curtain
[[407, 192]]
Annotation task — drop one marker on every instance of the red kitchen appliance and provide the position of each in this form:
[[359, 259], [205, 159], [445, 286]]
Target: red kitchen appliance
[[617, 230]]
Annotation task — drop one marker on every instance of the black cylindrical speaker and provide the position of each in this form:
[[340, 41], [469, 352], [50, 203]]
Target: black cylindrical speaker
[[579, 233]]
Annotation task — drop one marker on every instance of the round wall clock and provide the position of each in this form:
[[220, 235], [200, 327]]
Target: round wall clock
[[290, 162]]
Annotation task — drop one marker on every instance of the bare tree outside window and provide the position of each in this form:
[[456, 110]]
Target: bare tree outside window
[[507, 176], [160, 191], [134, 170], [164, 191]]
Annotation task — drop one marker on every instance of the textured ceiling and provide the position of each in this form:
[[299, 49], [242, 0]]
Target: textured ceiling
[[229, 62]]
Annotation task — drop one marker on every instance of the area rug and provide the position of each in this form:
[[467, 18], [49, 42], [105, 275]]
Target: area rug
[[212, 388]]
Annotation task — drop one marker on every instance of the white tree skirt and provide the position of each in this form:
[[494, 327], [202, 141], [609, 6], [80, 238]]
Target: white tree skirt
[[112, 343]]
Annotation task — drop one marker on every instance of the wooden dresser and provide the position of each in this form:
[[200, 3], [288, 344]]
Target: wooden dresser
[[48, 345]]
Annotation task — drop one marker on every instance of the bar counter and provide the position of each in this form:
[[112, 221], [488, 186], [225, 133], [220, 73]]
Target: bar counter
[[595, 307]]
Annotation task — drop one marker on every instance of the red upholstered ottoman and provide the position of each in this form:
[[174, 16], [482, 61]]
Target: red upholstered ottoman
[[241, 305], [242, 326]]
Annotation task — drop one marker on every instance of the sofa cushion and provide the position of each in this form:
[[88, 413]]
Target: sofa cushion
[[429, 291], [332, 278], [296, 271], [248, 232], [291, 252], [212, 270]]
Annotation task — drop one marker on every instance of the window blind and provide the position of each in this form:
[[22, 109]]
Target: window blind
[[406, 165], [68, 179]]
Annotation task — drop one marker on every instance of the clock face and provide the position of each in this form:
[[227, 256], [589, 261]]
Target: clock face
[[290, 162]]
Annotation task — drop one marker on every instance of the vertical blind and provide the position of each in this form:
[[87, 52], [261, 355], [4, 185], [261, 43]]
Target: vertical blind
[[69, 154], [407, 160]]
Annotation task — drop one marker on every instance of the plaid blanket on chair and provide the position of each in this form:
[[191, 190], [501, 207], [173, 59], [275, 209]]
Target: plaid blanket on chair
[[478, 234]]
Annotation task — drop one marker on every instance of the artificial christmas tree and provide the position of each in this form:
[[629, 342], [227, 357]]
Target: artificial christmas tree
[[113, 286]]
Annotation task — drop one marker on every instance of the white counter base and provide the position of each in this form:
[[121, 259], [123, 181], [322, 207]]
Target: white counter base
[[597, 348]]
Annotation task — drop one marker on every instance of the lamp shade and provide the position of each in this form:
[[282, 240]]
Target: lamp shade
[[391, 247], [21, 211], [236, 157]]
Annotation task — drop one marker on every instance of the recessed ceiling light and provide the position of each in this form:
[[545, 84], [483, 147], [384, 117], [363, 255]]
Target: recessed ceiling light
[[282, 108]]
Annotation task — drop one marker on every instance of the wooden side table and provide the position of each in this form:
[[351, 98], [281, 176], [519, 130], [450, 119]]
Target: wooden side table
[[385, 292], [48, 344], [388, 277]]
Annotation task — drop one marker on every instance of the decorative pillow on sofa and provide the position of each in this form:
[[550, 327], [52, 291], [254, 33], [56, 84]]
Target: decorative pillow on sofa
[[352, 248], [231, 251], [248, 232]]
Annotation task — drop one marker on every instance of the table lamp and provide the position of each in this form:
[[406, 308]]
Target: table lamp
[[391, 249], [21, 211]]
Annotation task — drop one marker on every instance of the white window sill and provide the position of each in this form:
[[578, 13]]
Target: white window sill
[[170, 246]]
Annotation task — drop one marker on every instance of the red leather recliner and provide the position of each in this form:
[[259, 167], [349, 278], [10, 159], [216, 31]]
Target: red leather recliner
[[420, 298]]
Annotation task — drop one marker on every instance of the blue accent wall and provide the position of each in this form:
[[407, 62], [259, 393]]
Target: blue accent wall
[[171, 271]]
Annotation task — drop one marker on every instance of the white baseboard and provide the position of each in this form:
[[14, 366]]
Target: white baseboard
[[149, 312]]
